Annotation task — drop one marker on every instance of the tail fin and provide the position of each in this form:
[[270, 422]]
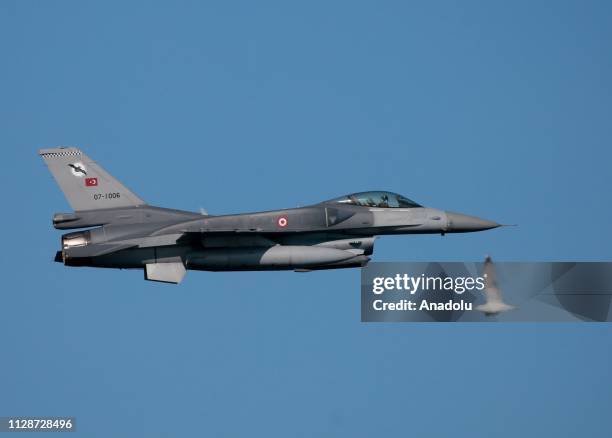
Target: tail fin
[[85, 184]]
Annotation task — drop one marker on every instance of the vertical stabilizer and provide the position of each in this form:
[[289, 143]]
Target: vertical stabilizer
[[85, 184]]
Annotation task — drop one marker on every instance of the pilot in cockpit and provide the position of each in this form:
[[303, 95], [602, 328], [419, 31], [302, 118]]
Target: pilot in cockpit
[[384, 203]]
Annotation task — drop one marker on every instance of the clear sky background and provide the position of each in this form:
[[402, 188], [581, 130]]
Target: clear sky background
[[497, 109]]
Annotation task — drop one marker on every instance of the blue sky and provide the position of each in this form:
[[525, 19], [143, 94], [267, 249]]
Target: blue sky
[[496, 109]]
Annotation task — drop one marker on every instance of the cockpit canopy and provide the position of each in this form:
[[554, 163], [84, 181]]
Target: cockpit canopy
[[376, 199]]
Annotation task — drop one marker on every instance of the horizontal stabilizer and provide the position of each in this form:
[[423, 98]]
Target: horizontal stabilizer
[[165, 272], [96, 250]]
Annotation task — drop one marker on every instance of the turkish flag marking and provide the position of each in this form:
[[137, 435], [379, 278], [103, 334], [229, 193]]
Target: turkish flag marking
[[91, 182]]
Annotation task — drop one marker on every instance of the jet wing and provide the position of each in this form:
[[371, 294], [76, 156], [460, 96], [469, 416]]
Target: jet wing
[[291, 221]]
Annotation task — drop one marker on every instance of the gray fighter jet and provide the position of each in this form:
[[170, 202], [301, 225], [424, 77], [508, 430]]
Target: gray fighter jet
[[125, 232]]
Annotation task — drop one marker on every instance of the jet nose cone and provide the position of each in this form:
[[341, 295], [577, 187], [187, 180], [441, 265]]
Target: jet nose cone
[[462, 223]]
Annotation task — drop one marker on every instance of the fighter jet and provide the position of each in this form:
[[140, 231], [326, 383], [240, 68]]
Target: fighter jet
[[120, 230]]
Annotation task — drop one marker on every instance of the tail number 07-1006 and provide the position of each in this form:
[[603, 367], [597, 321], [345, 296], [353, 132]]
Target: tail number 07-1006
[[99, 196]]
